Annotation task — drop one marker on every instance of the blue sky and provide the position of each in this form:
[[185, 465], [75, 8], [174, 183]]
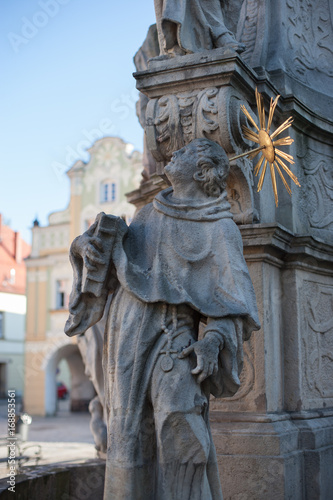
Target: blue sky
[[66, 80]]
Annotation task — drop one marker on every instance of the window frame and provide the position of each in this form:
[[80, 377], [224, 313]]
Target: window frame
[[61, 295], [108, 191]]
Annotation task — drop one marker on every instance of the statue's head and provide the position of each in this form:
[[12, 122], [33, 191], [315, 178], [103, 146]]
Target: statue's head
[[212, 166], [203, 161]]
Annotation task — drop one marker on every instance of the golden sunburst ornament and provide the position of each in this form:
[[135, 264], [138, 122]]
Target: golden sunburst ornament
[[268, 147]]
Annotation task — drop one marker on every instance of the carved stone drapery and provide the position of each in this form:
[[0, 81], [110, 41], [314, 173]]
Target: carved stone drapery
[[251, 30]]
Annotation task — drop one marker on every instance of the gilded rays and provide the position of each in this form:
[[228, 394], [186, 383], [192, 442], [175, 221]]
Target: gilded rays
[[270, 154]]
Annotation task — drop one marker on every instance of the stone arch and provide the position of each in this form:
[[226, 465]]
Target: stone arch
[[82, 390]]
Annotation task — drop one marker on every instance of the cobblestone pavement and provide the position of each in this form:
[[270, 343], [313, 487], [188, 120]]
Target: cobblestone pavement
[[63, 438]]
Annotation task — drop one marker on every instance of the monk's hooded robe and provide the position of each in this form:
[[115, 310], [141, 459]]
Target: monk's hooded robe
[[190, 258]]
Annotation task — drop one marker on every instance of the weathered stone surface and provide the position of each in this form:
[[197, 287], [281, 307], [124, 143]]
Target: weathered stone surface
[[188, 26], [290, 42], [274, 436], [309, 348], [199, 95], [288, 363], [178, 253], [54, 482], [316, 439], [264, 457]]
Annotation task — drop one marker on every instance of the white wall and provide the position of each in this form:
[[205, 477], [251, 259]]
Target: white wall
[[12, 345], [13, 303], [14, 326]]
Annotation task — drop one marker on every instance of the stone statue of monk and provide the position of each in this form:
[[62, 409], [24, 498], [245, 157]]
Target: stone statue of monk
[[187, 26], [177, 266]]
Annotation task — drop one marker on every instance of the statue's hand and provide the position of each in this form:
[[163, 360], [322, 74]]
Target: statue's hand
[[207, 352], [90, 249]]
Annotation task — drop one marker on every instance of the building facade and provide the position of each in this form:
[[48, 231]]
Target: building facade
[[13, 250], [98, 185]]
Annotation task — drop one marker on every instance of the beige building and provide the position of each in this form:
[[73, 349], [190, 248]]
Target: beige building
[[98, 185]]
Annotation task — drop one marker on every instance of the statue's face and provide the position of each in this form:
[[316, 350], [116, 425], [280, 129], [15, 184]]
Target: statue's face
[[182, 165]]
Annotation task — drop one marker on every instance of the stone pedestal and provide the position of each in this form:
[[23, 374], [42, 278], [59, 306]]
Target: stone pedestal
[[276, 434], [274, 438]]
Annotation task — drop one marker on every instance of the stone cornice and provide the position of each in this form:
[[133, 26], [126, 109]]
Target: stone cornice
[[277, 244]]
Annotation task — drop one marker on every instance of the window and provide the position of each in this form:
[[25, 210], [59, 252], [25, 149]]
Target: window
[[3, 380], [108, 192], [12, 276], [1, 325], [61, 295]]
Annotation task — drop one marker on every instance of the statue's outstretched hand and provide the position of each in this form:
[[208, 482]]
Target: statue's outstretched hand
[[207, 352]]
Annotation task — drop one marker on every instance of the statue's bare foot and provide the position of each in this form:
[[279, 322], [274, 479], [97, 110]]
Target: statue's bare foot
[[173, 52], [227, 41]]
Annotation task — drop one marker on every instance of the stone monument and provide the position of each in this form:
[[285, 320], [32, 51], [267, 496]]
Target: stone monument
[[275, 435]]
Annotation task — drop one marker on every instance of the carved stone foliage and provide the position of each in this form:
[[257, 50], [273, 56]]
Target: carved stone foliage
[[174, 120], [310, 40], [318, 338], [320, 194], [293, 35], [318, 201]]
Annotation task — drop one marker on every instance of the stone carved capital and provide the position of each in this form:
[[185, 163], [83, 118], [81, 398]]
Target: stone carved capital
[[174, 120]]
